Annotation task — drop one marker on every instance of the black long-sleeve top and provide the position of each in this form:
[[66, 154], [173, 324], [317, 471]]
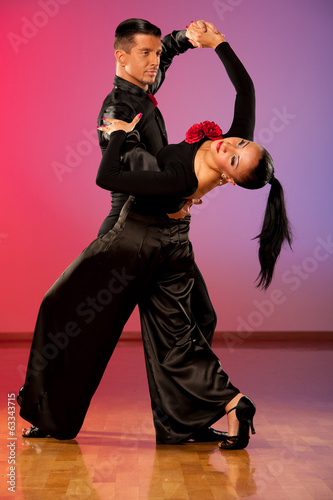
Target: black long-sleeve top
[[125, 101], [176, 160]]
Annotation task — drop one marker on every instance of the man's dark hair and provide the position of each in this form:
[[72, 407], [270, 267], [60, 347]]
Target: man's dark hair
[[126, 31]]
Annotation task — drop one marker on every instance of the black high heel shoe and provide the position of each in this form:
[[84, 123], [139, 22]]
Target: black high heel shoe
[[245, 410]]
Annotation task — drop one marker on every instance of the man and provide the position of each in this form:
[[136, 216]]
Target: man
[[148, 263], [141, 63], [142, 60]]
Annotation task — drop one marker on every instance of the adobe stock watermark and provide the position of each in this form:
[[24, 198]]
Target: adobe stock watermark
[[87, 311], [11, 445], [293, 279], [224, 7], [279, 121], [31, 27], [75, 155]]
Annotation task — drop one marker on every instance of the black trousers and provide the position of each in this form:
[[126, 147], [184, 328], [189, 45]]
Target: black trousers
[[142, 259], [201, 305]]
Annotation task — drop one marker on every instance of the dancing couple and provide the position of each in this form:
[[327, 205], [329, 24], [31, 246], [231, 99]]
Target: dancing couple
[[143, 255]]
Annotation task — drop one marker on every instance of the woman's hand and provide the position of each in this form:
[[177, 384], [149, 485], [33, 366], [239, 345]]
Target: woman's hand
[[204, 34], [119, 125]]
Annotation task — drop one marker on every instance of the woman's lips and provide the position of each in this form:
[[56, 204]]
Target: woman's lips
[[218, 146]]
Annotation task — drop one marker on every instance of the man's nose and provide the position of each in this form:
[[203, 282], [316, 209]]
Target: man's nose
[[155, 60]]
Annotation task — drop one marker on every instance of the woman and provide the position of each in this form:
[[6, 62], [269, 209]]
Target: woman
[[196, 166], [189, 389]]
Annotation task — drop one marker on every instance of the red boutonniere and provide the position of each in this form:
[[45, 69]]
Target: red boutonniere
[[153, 99], [200, 130]]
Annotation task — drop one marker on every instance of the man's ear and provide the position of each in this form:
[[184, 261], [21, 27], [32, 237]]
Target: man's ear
[[121, 57]]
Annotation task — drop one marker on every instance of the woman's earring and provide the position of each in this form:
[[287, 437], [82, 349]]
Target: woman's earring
[[221, 180]]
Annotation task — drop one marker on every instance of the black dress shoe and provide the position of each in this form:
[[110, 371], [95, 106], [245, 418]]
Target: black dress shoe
[[208, 435], [33, 432]]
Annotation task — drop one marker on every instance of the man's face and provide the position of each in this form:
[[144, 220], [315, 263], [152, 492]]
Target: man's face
[[140, 66]]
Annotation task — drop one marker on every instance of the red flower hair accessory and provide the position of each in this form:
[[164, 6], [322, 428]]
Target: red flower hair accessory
[[153, 99], [200, 130]]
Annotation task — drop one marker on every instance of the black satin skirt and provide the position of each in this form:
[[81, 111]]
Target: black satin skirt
[[145, 260]]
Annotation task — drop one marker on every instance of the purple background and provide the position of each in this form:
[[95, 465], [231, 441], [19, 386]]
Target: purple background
[[58, 66]]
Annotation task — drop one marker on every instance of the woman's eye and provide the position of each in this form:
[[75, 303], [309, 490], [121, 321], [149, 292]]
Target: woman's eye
[[233, 160], [241, 143]]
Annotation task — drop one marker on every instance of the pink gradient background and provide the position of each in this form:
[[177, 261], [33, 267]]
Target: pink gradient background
[[54, 81]]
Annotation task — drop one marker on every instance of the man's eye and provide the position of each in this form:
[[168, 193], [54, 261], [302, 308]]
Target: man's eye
[[241, 143], [233, 160]]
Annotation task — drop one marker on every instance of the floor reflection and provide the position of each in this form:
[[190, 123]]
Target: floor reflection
[[239, 473], [54, 468], [201, 468], [57, 469]]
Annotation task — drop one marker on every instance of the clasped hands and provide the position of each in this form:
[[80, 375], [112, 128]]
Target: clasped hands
[[204, 34]]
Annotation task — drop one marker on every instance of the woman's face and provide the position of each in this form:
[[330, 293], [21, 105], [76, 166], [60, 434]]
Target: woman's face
[[235, 157]]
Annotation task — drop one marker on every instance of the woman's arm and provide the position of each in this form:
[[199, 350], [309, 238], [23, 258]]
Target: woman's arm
[[175, 179], [244, 111]]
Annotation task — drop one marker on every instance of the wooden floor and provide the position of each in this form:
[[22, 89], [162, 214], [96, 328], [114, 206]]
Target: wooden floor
[[115, 455]]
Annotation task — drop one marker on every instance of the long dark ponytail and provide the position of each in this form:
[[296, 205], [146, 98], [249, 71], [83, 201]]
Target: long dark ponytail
[[276, 227], [274, 232]]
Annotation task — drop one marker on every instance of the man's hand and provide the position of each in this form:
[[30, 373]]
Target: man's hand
[[203, 25], [185, 210], [204, 34]]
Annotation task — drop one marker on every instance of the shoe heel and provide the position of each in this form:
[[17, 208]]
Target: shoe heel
[[245, 411]]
